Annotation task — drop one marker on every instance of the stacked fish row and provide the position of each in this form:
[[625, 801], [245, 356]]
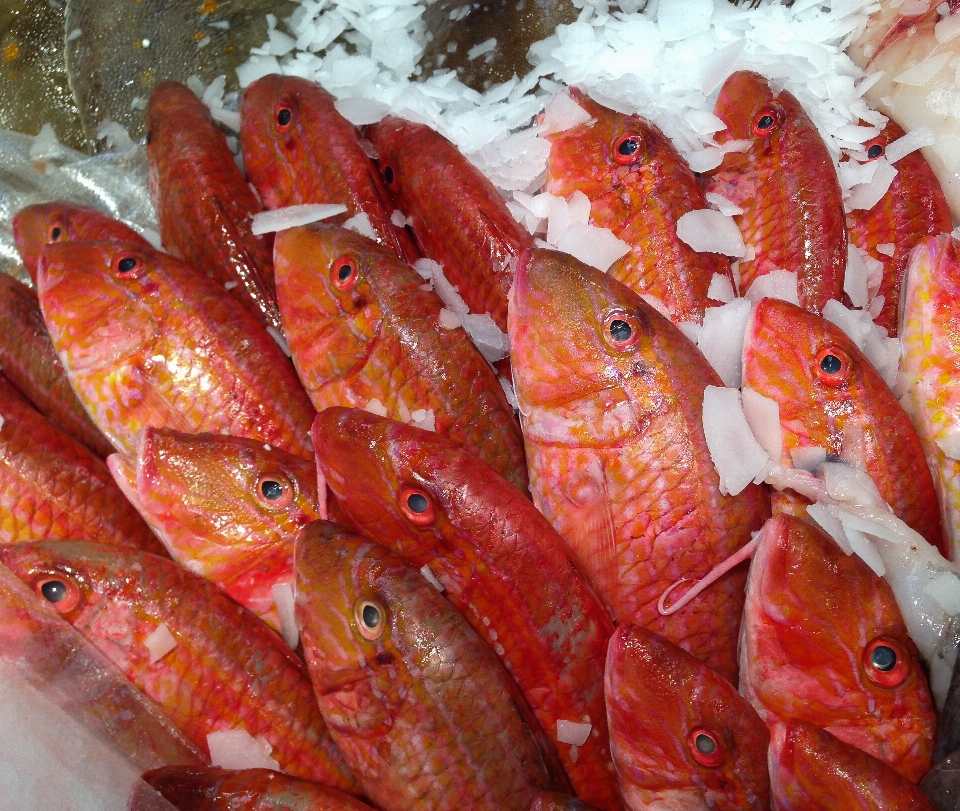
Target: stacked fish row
[[492, 677]]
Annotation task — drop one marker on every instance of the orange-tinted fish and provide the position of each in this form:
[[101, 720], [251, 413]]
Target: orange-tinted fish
[[366, 332], [227, 508], [611, 398], [421, 708], [811, 770], [459, 218], [501, 565], [146, 340], [203, 202], [639, 186], [226, 670], [298, 149], [831, 397], [682, 737], [787, 185], [824, 642]]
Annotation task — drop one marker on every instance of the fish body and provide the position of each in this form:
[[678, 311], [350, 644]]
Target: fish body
[[787, 185], [501, 565], [638, 185], [227, 508], [611, 400], [157, 343], [683, 737], [297, 149], [204, 205], [831, 397], [227, 669], [824, 642], [421, 708], [375, 340], [913, 207], [459, 218]]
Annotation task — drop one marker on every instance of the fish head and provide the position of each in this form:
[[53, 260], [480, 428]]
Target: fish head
[[331, 310], [678, 729], [392, 137], [99, 300], [173, 108]]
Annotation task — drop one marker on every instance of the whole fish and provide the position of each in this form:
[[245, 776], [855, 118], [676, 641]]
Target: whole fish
[[366, 332], [421, 708], [30, 362], [787, 185], [146, 340], [203, 202], [682, 736], [190, 788], [824, 641], [52, 487], [298, 149], [226, 670], [46, 223], [501, 565], [611, 400], [810, 770], [831, 397], [459, 219], [226, 508], [913, 207], [638, 185]]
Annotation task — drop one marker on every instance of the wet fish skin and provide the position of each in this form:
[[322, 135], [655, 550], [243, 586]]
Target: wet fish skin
[[787, 185], [203, 202], [30, 363], [378, 337], [459, 218], [315, 157], [639, 196], [852, 413], [617, 457], [812, 620], [940, 784], [660, 700], [228, 670], [423, 711], [160, 344], [228, 508], [501, 564]]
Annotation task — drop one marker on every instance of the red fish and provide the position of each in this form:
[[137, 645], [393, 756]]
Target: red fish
[[298, 149], [787, 185], [611, 400], [459, 218], [682, 736], [203, 202], [639, 186], [824, 641], [501, 564]]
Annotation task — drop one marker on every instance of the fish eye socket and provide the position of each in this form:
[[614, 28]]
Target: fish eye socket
[[628, 149], [344, 273], [149, 136], [874, 149], [274, 491], [55, 233], [370, 617], [417, 505], [834, 366], [284, 116], [765, 122], [706, 747], [388, 175], [58, 590], [886, 661], [128, 264], [621, 332]]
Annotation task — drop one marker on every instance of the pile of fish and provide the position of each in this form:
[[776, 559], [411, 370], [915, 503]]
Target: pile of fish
[[274, 481]]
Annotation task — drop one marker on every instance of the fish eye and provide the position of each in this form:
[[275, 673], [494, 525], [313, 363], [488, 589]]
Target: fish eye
[[274, 491], [55, 233], [128, 264], [345, 273], [886, 661], [765, 122], [628, 149], [58, 590], [149, 136], [874, 148], [834, 366], [370, 617], [417, 505], [706, 747], [388, 175], [621, 331], [284, 116]]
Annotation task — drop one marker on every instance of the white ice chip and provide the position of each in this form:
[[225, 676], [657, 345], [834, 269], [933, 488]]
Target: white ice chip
[[736, 454], [710, 231], [284, 601], [238, 749], [574, 733], [563, 113], [763, 417], [160, 643], [279, 219]]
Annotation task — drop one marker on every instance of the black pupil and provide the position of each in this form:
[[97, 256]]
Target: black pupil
[[371, 616], [284, 116], [628, 146], [271, 490], [343, 273], [417, 503], [149, 136], [126, 264], [620, 330], [55, 233], [875, 151], [765, 122], [883, 658], [830, 364], [388, 174], [54, 590], [705, 744]]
